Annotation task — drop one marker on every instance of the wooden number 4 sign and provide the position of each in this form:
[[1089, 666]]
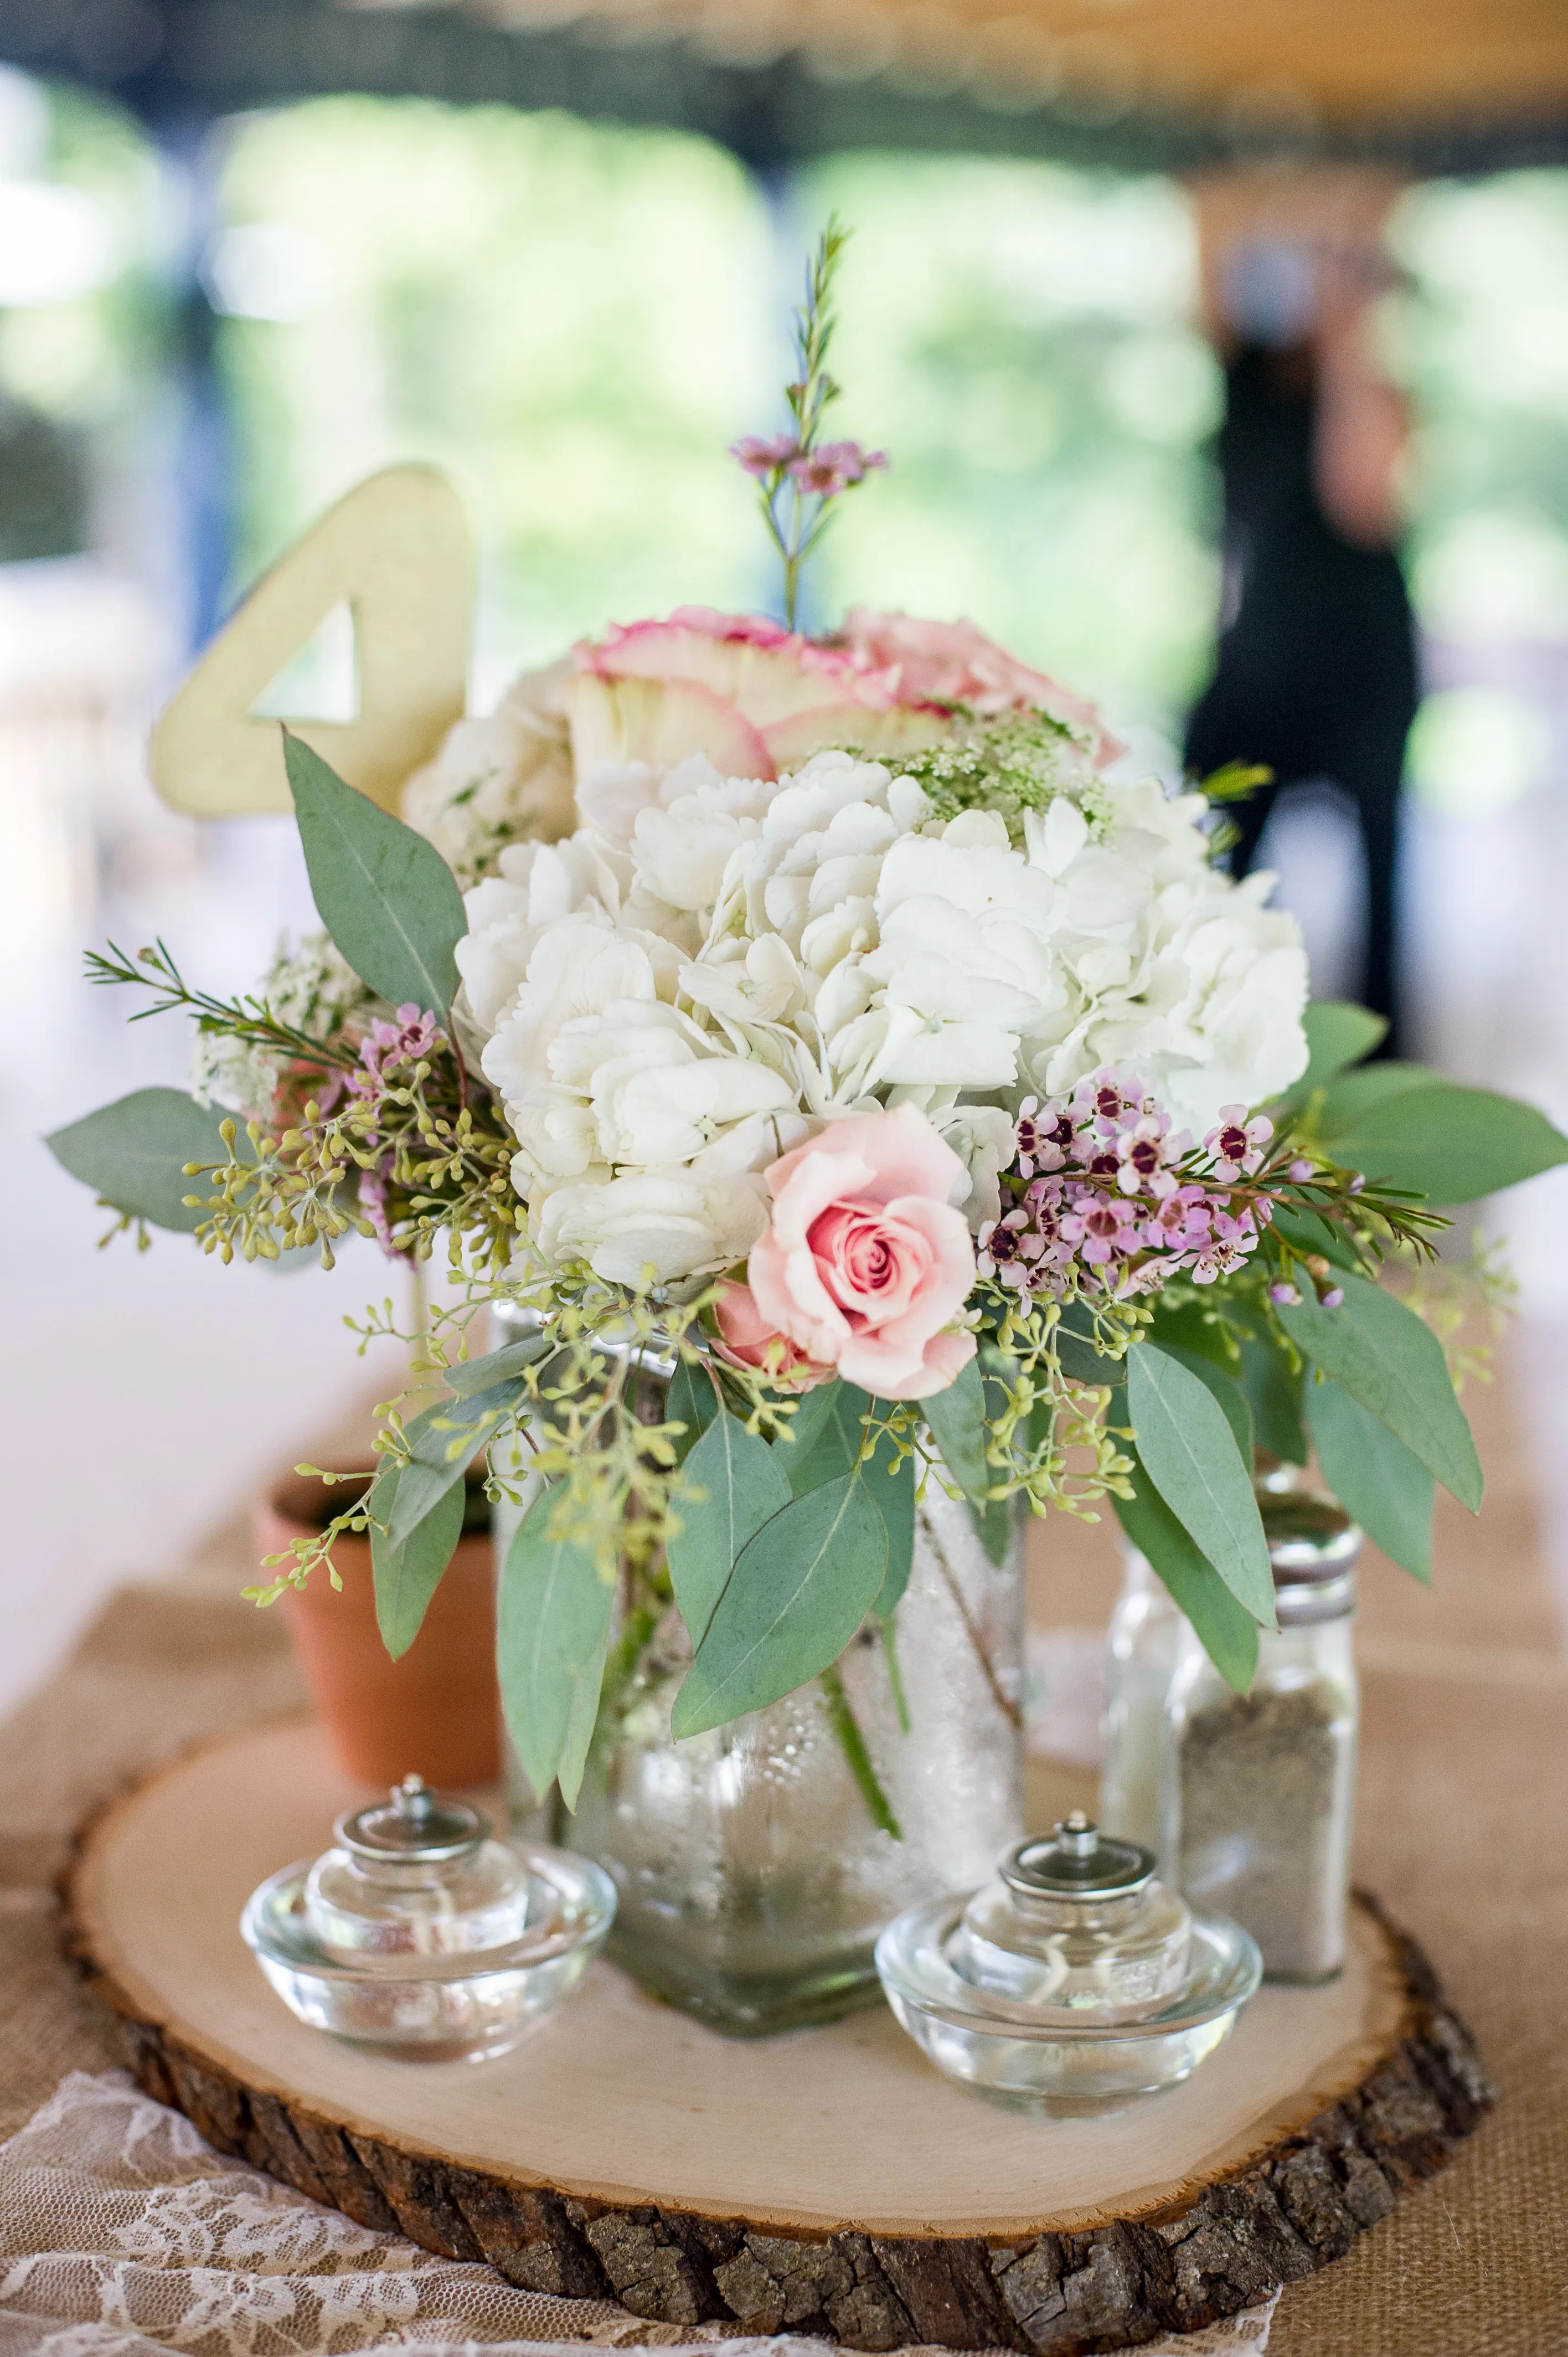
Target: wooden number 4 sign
[[397, 551]]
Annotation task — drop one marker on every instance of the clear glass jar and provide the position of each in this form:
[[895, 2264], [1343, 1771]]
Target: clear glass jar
[[1141, 1649], [1258, 1807], [752, 1876]]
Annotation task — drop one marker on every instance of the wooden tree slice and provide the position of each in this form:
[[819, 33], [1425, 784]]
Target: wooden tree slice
[[827, 2180]]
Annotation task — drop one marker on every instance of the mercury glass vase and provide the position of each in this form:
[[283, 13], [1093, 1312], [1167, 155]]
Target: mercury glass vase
[[752, 1874]]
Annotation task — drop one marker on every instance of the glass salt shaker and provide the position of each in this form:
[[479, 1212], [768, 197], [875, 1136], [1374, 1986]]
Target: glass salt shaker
[[1259, 1801], [1141, 1649]]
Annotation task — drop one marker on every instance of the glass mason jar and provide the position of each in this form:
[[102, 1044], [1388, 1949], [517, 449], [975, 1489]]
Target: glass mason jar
[[1141, 1649], [1260, 1799], [752, 1874]]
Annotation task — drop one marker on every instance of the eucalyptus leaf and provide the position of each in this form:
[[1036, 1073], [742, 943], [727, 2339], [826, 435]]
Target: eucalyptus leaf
[[732, 1483], [1375, 1478], [1338, 1034], [994, 1526], [693, 1401], [443, 1440], [893, 1495], [471, 1375], [582, 1717], [1222, 1387], [1192, 1325], [826, 1440], [799, 1592], [1386, 1358], [134, 1154], [1353, 1096], [1272, 1391], [957, 1419], [1186, 1444], [387, 896], [407, 1571], [1452, 1145], [552, 1616], [1226, 1630]]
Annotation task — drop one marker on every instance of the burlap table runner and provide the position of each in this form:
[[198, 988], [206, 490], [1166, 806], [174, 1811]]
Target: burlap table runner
[[1464, 1803]]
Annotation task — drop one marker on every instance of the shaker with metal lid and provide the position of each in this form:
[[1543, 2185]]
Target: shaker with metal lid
[[1073, 1981], [1263, 1789]]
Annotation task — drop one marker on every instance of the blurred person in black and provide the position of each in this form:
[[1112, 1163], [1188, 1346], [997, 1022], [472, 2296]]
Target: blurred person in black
[[1317, 672]]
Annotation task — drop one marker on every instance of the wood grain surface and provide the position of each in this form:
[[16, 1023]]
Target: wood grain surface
[[827, 2180]]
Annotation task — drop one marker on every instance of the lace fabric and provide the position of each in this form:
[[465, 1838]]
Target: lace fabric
[[124, 2234]]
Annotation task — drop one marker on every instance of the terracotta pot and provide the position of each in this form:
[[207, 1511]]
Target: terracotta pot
[[437, 1712]]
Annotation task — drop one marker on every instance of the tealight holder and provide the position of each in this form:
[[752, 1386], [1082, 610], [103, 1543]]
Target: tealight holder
[[420, 1935], [1073, 1984]]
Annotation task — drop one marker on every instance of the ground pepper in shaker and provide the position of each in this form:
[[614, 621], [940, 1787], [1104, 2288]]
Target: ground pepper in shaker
[[1262, 1786]]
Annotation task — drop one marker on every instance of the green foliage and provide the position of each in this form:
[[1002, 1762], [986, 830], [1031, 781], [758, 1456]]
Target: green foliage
[[136, 1153], [1452, 1145], [408, 1568], [1222, 1387], [1273, 1388], [1394, 1366], [891, 1488], [1375, 1477], [1226, 1630], [1338, 1034], [957, 1419], [732, 1483], [513, 1358], [1186, 1443], [825, 1437], [386, 896], [553, 1624], [799, 1590], [440, 1443], [693, 1401]]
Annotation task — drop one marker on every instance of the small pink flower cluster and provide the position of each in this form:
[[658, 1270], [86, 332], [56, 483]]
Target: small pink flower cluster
[[385, 1048], [823, 473], [384, 1045], [1108, 1199]]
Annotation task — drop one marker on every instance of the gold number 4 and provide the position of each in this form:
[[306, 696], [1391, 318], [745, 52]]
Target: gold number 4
[[398, 552]]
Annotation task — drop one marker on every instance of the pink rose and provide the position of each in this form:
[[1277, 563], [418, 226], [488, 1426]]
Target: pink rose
[[953, 663], [758, 700], [747, 1339], [865, 1260]]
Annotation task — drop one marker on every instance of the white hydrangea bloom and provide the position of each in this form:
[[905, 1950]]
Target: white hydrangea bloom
[[674, 997], [502, 779]]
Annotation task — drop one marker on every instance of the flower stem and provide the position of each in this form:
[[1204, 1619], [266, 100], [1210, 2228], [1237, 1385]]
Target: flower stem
[[847, 1729]]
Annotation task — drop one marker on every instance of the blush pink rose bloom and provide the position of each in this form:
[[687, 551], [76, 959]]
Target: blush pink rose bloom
[[747, 1339], [865, 1260], [954, 663], [756, 699]]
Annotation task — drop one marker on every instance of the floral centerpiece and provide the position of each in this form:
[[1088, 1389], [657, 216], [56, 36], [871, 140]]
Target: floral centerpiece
[[837, 1021]]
